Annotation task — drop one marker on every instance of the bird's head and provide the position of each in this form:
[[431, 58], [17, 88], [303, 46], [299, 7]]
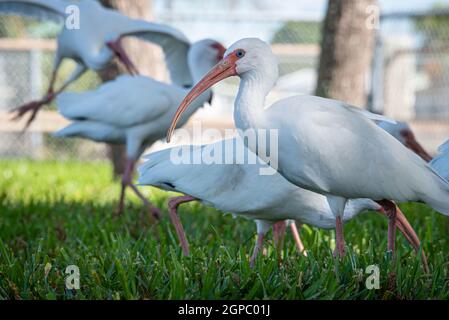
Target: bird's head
[[250, 57], [404, 134], [207, 49], [203, 55]]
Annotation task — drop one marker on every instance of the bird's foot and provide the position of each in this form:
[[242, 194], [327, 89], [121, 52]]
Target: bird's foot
[[33, 107]]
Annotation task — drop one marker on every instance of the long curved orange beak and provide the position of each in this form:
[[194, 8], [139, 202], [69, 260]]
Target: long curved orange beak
[[224, 69], [410, 235]]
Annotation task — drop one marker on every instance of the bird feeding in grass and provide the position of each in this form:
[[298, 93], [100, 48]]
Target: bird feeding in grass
[[404, 134], [238, 187], [325, 145], [134, 110], [97, 41], [160, 171]]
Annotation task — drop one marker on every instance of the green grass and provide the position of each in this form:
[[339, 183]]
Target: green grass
[[53, 215]]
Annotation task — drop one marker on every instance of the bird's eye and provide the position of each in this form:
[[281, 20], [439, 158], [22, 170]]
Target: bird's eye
[[240, 53]]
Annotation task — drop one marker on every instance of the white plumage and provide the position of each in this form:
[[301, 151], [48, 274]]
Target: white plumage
[[240, 189], [134, 110], [404, 134], [325, 145], [97, 40]]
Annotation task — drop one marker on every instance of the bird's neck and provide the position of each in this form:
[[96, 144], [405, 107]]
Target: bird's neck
[[249, 105]]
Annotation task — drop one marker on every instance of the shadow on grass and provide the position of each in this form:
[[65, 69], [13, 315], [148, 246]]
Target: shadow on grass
[[130, 257]]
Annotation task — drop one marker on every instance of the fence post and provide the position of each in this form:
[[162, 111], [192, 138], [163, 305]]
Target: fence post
[[36, 138]]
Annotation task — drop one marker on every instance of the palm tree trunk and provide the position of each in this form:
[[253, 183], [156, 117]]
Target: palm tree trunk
[[346, 50], [143, 56]]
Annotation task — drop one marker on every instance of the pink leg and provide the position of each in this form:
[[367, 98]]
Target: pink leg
[[173, 213], [257, 248], [279, 234], [121, 204], [117, 47], [390, 211], [156, 213], [298, 242], [35, 106], [339, 238], [127, 182], [409, 233], [392, 232]]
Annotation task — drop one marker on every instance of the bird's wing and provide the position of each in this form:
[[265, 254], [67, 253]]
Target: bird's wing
[[53, 10], [125, 102], [373, 116], [172, 41], [338, 150]]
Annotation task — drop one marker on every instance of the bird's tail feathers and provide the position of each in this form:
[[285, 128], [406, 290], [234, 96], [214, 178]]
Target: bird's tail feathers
[[90, 129]]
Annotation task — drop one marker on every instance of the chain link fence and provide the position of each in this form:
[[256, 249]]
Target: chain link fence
[[26, 60], [410, 79]]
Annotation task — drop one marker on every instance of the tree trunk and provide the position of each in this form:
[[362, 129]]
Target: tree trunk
[[346, 50], [143, 55]]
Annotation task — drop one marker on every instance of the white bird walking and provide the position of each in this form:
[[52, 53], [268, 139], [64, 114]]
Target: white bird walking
[[325, 146], [134, 110], [97, 41], [237, 187]]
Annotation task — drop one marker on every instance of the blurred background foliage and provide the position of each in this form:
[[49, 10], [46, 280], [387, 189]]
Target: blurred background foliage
[[304, 32]]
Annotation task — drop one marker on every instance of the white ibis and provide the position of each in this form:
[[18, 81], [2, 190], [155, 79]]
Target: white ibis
[[134, 110], [97, 41], [238, 188], [402, 132], [325, 145]]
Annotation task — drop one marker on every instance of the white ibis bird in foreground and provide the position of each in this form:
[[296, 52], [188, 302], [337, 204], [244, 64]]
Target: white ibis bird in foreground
[[324, 145], [402, 132], [97, 41], [134, 110], [237, 187]]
